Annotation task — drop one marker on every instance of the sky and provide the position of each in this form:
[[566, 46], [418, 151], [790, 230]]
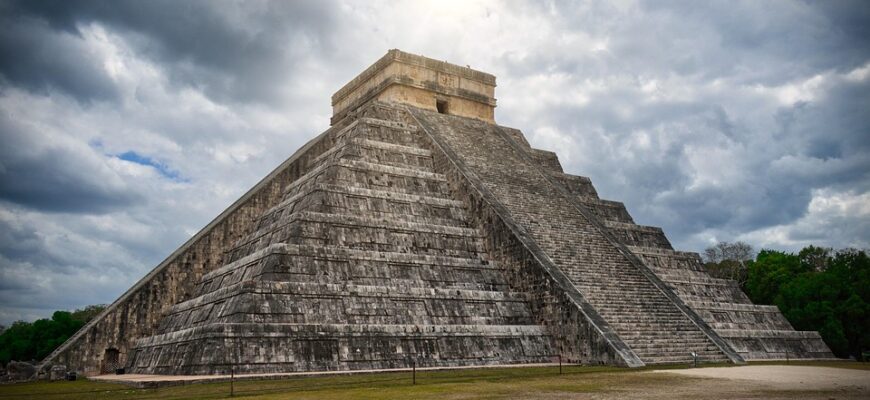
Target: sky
[[125, 127]]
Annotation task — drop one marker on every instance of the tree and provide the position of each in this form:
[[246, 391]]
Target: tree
[[819, 290], [728, 260], [26, 341], [817, 258]]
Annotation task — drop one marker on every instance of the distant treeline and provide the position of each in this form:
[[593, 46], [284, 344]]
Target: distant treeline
[[27, 341], [817, 289]]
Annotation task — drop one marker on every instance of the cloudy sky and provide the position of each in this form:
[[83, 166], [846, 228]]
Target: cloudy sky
[[126, 126]]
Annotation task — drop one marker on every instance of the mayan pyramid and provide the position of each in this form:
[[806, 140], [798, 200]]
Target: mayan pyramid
[[416, 230]]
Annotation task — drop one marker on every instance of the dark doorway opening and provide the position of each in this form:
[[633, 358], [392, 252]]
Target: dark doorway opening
[[111, 360], [441, 105]]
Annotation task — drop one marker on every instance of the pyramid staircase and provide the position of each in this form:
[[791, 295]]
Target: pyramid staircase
[[553, 210], [367, 263], [755, 332]]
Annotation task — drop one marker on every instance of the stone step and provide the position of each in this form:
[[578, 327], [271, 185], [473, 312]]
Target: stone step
[[369, 207], [767, 333], [378, 152], [360, 200], [659, 311], [614, 320], [362, 141], [409, 212], [343, 255], [607, 209], [607, 284], [369, 175], [614, 296], [748, 325], [631, 335], [652, 360], [680, 338], [697, 344], [321, 331], [636, 331], [576, 185], [653, 350], [694, 278], [635, 303], [398, 133], [730, 306], [595, 278], [661, 260], [367, 234], [638, 235], [729, 294], [340, 264], [405, 224], [674, 324], [366, 315], [294, 290]]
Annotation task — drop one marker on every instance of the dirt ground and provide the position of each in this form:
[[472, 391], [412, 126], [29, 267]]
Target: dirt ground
[[760, 381]]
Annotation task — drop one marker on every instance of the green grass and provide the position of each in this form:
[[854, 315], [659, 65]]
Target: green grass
[[491, 383]]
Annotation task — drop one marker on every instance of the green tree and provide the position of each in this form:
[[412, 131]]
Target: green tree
[[816, 290], [34, 340]]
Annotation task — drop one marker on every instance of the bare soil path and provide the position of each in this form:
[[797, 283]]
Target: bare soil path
[[780, 380]]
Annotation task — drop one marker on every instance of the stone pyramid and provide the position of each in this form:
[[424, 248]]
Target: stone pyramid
[[417, 231]]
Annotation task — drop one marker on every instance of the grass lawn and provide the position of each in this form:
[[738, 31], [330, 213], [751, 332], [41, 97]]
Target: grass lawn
[[499, 383]]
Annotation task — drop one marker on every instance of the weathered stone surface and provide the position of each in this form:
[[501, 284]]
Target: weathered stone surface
[[20, 371], [57, 372], [409, 232]]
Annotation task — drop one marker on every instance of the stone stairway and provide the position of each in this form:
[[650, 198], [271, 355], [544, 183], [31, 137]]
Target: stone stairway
[[367, 262], [634, 307], [754, 331]]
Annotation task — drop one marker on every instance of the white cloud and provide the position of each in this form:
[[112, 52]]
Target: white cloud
[[832, 219]]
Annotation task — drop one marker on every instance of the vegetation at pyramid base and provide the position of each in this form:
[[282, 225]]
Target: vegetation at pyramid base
[[29, 341], [817, 289]]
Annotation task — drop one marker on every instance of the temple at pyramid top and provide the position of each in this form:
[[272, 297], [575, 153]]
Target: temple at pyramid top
[[422, 82]]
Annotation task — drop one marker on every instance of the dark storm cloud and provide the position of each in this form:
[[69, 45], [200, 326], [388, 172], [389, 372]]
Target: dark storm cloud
[[55, 177], [232, 51], [39, 59], [830, 35], [831, 127]]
